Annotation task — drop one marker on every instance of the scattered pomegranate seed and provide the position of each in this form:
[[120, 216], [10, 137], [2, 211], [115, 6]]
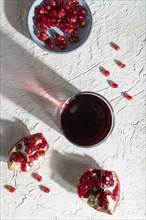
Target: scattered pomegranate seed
[[120, 64], [45, 189], [127, 96], [37, 177], [10, 188], [106, 73], [115, 46], [112, 84]]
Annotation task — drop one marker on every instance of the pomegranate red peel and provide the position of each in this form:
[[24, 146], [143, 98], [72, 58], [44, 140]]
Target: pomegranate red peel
[[27, 152], [100, 189]]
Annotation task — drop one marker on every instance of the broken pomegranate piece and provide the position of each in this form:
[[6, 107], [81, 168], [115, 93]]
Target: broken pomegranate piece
[[100, 189], [27, 152]]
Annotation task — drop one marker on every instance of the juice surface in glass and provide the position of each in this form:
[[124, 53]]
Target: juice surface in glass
[[87, 119]]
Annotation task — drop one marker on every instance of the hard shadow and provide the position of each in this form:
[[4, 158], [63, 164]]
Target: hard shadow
[[112, 44], [31, 84], [10, 133], [102, 70], [118, 62], [16, 12], [68, 168]]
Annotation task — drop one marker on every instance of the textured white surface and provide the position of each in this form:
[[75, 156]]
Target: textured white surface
[[28, 73]]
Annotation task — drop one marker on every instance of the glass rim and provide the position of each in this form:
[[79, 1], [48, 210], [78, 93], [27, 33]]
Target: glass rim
[[108, 105]]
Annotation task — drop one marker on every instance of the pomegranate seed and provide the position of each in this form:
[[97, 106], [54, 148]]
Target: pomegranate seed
[[38, 24], [127, 96], [37, 177], [45, 189], [81, 17], [53, 3], [42, 11], [31, 158], [81, 22], [23, 167], [41, 152], [48, 24], [105, 203], [62, 47], [48, 7], [51, 45], [83, 11], [76, 4], [112, 84], [76, 24], [115, 46], [44, 29], [122, 65], [30, 163], [11, 188], [35, 156], [106, 73], [67, 6], [37, 153]]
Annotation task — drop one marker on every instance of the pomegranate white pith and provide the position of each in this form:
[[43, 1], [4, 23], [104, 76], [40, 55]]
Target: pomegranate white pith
[[100, 189], [27, 152]]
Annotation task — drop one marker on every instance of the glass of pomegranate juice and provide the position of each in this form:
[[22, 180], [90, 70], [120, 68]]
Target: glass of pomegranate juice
[[86, 119]]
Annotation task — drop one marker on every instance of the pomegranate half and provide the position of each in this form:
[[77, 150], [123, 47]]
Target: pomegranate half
[[100, 189], [27, 152]]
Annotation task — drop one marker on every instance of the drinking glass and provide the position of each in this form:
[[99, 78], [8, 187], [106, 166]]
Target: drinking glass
[[86, 119]]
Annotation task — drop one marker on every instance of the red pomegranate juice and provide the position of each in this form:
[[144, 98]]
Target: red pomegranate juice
[[86, 119]]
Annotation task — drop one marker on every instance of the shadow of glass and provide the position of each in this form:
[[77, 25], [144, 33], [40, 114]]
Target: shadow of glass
[[10, 133], [32, 85], [68, 168], [16, 12]]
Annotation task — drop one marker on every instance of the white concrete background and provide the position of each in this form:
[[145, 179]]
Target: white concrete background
[[26, 70]]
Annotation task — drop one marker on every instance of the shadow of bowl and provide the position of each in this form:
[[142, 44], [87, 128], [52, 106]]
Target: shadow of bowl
[[16, 12]]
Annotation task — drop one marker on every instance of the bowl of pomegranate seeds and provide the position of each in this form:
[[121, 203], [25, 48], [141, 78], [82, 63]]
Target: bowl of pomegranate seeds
[[59, 25]]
